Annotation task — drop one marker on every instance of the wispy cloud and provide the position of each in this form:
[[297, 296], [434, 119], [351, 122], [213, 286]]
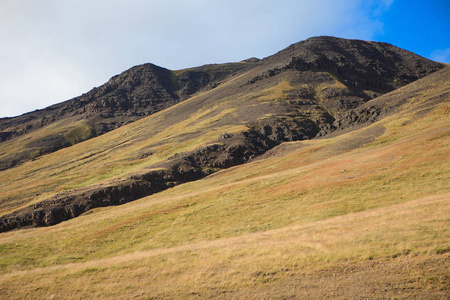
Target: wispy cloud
[[54, 50], [441, 55]]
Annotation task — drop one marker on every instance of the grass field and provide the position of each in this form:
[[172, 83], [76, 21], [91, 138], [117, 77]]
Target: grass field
[[361, 215]]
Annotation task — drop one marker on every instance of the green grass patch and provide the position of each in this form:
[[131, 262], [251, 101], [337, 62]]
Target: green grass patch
[[80, 133]]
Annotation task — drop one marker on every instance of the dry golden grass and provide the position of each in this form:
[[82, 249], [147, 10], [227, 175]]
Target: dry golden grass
[[101, 159], [288, 226], [275, 93], [256, 260], [360, 215]]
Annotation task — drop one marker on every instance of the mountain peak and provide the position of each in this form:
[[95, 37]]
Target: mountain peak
[[363, 69], [369, 65]]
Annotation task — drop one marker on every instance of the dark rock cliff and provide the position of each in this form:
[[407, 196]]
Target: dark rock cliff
[[229, 150]]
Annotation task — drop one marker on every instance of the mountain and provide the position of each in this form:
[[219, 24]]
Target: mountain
[[299, 93], [134, 94], [320, 171], [326, 76]]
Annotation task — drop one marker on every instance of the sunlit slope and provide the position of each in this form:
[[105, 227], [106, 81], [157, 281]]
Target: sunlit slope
[[139, 146], [132, 147], [236, 112], [364, 213], [132, 95]]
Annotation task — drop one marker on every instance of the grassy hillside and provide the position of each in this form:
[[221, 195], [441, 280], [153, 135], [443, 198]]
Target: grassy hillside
[[143, 144], [361, 214]]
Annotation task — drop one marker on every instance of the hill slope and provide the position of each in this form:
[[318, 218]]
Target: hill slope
[[357, 214], [225, 126], [130, 96], [319, 78]]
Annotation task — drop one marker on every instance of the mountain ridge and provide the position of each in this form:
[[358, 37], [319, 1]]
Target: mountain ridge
[[239, 119], [368, 68]]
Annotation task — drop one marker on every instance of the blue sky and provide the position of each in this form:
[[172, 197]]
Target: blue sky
[[54, 50], [419, 26]]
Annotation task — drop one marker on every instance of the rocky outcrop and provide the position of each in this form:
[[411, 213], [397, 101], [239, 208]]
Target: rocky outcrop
[[227, 151], [359, 65], [192, 81], [387, 105], [286, 129], [63, 207], [367, 65]]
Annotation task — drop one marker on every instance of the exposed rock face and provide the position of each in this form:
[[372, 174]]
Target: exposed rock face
[[137, 92], [65, 207], [229, 150], [367, 65], [190, 82], [383, 106], [286, 129], [370, 67]]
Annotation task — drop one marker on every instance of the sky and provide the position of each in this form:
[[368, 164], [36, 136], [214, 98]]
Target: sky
[[54, 50]]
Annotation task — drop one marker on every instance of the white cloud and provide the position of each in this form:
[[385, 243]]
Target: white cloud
[[54, 50], [379, 7], [441, 55]]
